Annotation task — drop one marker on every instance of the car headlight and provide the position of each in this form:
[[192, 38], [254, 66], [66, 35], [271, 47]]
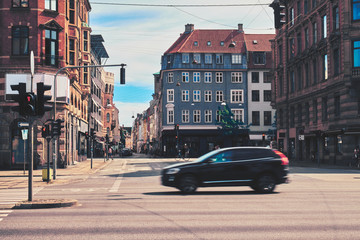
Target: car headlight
[[173, 171]]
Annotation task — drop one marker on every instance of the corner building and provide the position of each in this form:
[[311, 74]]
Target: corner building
[[59, 35], [317, 88]]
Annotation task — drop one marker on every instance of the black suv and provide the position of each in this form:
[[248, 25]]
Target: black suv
[[258, 167]]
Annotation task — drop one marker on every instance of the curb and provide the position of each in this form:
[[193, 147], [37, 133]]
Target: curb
[[45, 203]]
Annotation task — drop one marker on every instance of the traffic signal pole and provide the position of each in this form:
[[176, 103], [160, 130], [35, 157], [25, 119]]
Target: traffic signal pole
[[122, 81]]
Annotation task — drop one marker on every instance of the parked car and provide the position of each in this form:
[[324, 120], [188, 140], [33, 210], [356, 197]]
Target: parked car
[[258, 167], [126, 152]]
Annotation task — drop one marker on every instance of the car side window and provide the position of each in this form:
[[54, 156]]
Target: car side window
[[222, 157]]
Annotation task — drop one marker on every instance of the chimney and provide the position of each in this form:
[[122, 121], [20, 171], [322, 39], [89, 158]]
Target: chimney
[[189, 28], [240, 27]]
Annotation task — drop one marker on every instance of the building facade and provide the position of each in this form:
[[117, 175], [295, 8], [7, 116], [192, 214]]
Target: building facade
[[317, 74], [201, 72]]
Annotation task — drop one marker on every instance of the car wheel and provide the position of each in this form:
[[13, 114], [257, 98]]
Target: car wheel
[[265, 184], [188, 184]]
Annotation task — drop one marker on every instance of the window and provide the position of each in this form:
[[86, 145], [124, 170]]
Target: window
[[51, 5], [315, 111], [208, 96], [222, 43], [236, 96], [185, 58], [219, 59], [314, 3], [20, 41], [185, 77], [20, 3], [307, 113], [336, 60], [255, 77], [292, 81], [236, 77], [292, 116], [356, 53], [196, 77], [86, 41], [85, 74], [267, 95], [108, 117], [292, 16], [298, 7], [170, 77], [298, 44], [185, 116], [185, 95], [72, 11], [196, 43], [238, 114], [356, 9], [281, 85], [314, 71], [323, 27], [170, 116], [255, 95], [197, 58], [259, 57], [336, 19], [292, 47], [208, 77], [208, 116], [307, 80], [219, 77], [299, 78], [219, 96], [208, 59], [280, 54], [324, 109], [72, 51], [170, 95], [196, 116], [267, 77], [51, 47], [299, 114], [218, 117], [306, 7], [255, 118], [306, 32], [325, 67], [236, 58], [196, 95], [337, 105], [267, 118], [314, 33], [208, 43]]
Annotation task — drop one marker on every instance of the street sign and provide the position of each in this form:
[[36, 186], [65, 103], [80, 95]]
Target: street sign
[[32, 64], [23, 124], [301, 137], [24, 134]]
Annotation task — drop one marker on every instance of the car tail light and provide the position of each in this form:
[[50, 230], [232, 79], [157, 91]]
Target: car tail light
[[284, 159]]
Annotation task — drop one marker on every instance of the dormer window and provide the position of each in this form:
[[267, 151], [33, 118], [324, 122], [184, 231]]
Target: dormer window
[[209, 43], [196, 43], [222, 43]]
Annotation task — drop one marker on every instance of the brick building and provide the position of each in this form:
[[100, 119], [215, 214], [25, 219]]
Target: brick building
[[59, 35], [317, 87]]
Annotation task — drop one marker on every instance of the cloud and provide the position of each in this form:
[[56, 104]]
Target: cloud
[[127, 110]]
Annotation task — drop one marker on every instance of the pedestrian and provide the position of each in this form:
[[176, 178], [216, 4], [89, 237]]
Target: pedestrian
[[356, 157], [110, 153]]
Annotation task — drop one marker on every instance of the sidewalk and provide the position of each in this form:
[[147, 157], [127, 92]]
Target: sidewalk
[[11, 179]]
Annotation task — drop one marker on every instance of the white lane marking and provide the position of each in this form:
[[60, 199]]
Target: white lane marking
[[116, 185]]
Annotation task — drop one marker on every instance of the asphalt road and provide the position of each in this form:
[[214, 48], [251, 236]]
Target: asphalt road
[[126, 201]]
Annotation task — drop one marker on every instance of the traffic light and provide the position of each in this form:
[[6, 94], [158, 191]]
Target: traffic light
[[21, 88], [86, 135], [92, 132], [263, 136], [122, 75], [176, 127], [56, 127], [45, 131], [29, 108], [279, 14], [42, 100]]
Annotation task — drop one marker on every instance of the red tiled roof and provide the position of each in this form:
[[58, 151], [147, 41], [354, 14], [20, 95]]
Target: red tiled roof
[[185, 43], [262, 42]]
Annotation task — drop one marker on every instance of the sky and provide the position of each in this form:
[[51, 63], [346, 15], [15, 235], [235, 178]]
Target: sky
[[139, 35]]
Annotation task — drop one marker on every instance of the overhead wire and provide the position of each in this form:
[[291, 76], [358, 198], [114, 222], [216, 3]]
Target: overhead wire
[[181, 5]]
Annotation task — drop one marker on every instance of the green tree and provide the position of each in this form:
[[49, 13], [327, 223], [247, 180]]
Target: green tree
[[229, 125]]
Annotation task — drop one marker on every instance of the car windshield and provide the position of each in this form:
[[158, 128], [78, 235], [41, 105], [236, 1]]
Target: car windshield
[[207, 155]]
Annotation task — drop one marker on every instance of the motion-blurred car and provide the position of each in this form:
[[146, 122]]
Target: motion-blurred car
[[258, 167], [126, 152]]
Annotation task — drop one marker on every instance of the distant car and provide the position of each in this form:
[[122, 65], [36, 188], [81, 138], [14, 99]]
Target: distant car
[[258, 167], [126, 152]]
